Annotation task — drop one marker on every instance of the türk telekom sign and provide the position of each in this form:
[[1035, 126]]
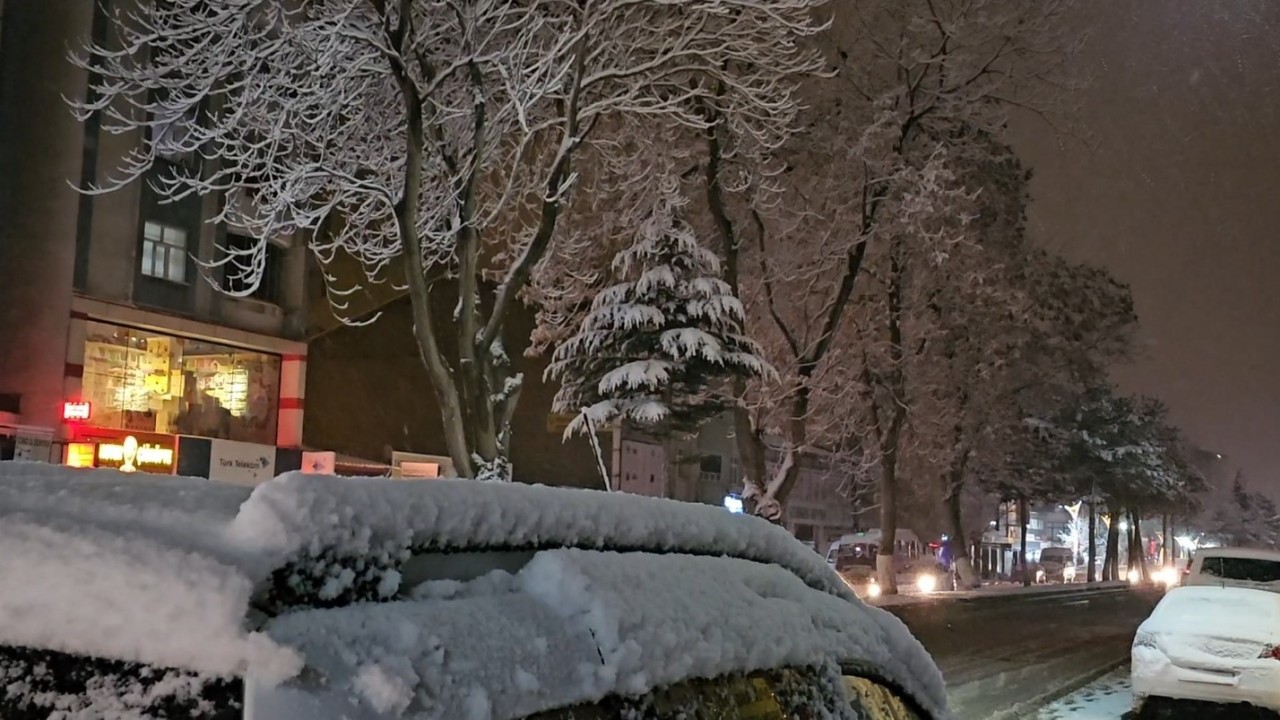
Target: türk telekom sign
[[241, 462]]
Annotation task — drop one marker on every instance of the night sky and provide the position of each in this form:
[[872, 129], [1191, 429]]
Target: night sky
[[1176, 189]]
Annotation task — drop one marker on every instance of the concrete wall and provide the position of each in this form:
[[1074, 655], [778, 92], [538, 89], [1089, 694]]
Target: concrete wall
[[368, 394], [40, 155]]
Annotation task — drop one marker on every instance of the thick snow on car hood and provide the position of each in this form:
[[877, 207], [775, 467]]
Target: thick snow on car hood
[[575, 626], [160, 570], [1226, 611], [126, 567], [1209, 628]]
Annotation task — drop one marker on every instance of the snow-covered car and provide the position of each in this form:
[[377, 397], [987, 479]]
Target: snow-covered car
[[1239, 567], [318, 597], [1216, 644]]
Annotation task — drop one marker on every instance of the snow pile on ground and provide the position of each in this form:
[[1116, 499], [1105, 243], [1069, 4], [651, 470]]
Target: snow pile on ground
[[575, 626], [1107, 698]]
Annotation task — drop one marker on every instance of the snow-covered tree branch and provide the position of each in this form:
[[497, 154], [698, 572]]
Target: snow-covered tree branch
[[432, 142]]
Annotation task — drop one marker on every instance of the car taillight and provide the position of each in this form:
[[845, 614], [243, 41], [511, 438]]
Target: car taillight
[[1270, 651]]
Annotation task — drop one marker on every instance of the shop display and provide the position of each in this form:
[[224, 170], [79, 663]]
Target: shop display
[[146, 382]]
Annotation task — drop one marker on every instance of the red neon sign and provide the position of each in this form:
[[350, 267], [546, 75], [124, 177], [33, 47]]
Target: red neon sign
[[74, 411]]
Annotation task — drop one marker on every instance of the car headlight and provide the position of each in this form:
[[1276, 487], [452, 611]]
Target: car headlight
[[1133, 576], [1069, 572], [1039, 576], [873, 589], [1167, 576], [927, 582]]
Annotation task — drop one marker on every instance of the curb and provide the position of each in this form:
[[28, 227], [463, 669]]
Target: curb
[[1009, 597], [1027, 709]]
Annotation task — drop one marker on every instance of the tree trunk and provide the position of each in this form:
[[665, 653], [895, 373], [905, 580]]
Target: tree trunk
[[1022, 541], [1169, 548], [968, 578], [1092, 572], [885, 571], [1111, 562], [1139, 552]]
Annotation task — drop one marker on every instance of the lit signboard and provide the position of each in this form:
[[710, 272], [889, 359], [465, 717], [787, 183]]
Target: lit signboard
[[80, 455], [76, 411], [131, 456]]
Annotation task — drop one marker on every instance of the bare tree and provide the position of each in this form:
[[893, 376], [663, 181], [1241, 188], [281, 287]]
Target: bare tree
[[800, 231], [431, 142]]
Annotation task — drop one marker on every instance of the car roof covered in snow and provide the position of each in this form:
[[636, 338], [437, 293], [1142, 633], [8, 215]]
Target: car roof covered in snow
[[161, 570], [1239, 552]]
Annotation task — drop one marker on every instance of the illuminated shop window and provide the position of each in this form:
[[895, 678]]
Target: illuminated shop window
[[149, 382]]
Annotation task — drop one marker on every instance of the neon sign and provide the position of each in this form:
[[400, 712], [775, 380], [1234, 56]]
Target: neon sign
[[76, 411], [131, 456]]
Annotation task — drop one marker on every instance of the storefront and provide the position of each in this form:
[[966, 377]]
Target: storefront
[[122, 450], [145, 381], [143, 400]]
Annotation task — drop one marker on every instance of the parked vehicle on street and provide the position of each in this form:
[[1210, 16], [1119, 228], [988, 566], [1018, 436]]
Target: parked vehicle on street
[[1238, 567], [1058, 565], [916, 568], [319, 597], [1205, 643]]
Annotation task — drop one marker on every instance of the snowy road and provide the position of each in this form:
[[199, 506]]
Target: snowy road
[[1109, 698], [1003, 657]]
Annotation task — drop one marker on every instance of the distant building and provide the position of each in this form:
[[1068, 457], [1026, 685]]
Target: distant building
[[819, 509], [108, 331]]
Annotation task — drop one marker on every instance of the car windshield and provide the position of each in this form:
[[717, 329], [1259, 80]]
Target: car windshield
[[1257, 570]]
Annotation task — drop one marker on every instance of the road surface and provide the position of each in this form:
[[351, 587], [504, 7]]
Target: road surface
[[1005, 657], [1109, 698]]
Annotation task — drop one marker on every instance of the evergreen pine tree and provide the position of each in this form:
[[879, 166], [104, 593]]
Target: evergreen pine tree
[[657, 347]]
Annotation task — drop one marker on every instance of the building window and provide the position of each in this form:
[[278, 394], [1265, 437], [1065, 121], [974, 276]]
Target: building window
[[164, 252], [238, 272], [145, 381]]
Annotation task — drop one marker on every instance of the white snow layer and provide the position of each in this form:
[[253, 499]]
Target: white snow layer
[[91, 566], [576, 626], [161, 570]]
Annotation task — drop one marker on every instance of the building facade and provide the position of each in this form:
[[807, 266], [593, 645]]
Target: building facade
[[707, 469], [115, 346]]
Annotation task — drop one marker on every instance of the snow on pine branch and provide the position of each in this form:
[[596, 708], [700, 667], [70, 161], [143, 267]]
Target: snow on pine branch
[[313, 116], [657, 347]]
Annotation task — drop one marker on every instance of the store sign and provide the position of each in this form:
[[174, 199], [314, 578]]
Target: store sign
[[320, 462], [76, 411], [129, 455], [241, 462], [33, 445], [80, 455]]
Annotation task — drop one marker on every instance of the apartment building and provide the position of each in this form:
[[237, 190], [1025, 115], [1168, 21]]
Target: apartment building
[[115, 349]]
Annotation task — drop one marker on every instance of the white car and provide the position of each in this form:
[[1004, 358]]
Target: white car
[[1218, 644], [1238, 567]]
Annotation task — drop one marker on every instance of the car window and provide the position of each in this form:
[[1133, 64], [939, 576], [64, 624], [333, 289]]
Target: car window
[[1246, 569], [792, 694], [41, 683]]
